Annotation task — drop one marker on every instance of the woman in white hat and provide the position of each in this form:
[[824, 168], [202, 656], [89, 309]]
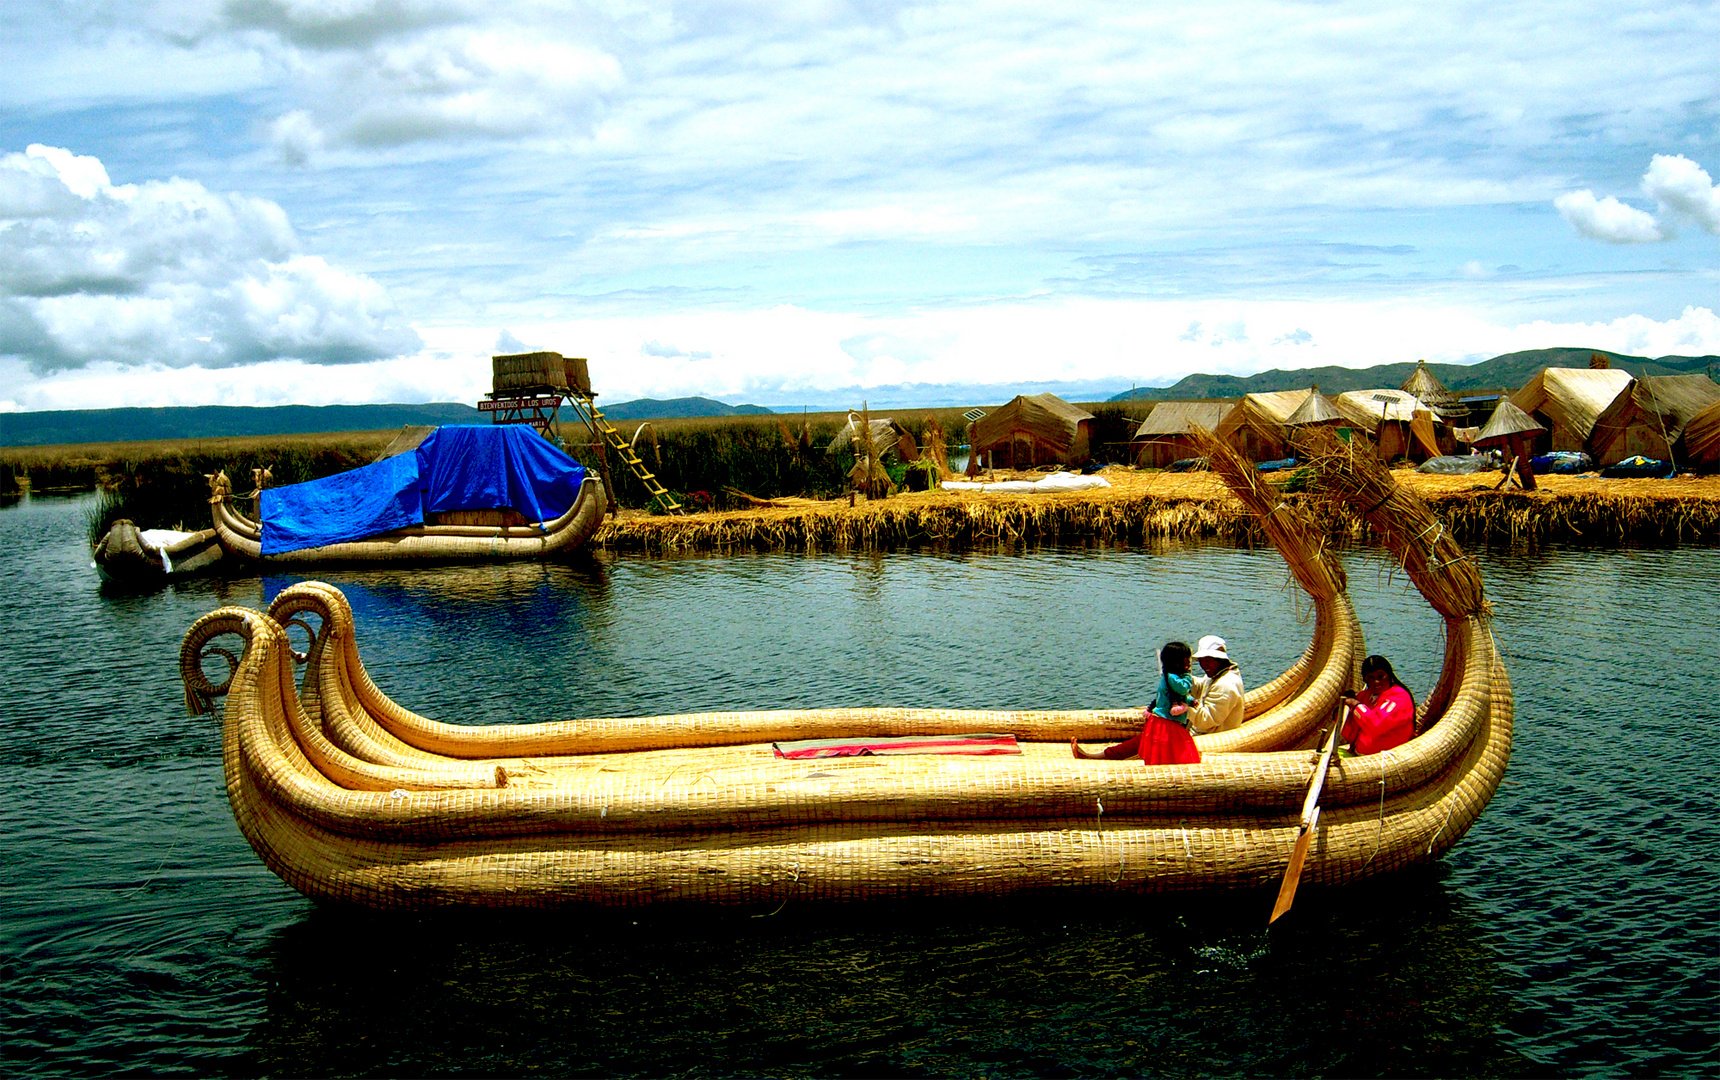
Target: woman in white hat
[[1218, 693]]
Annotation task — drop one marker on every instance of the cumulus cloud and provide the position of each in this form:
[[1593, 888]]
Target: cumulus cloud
[[1683, 187], [169, 273], [1607, 219]]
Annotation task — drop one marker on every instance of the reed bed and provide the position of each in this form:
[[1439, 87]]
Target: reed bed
[[160, 483], [1145, 506]]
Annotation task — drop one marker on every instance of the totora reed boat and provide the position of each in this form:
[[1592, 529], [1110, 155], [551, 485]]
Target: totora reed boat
[[349, 797], [466, 492], [129, 556]]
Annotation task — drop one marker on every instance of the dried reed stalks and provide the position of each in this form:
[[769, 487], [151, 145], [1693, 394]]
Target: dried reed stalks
[[1292, 531], [1352, 473]]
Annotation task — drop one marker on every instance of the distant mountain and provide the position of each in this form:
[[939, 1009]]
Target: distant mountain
[[1509, 371], [219, 421], [677, 408]]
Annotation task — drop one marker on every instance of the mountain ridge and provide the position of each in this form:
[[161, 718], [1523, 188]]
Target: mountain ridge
[[1507, 371]]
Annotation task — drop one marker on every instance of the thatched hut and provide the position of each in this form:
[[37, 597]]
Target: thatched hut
[[1513, 431], [1164, 436], [1255, 428], [1389, 418], [1032, 429], [1568, 402], [1650, 417], [1426, 388]]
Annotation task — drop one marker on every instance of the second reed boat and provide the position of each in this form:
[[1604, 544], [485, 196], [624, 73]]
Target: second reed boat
[[466, 492]]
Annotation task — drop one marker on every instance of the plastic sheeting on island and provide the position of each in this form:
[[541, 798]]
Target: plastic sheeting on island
[[458, 467], [1058, 481]]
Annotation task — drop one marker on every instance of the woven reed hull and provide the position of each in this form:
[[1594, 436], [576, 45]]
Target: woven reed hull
[[730, 824], [242, 537], [349, 797], [193, 555]]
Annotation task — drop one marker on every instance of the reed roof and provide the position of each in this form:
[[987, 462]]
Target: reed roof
[[1572, 398], [1425, 385], [1702, 436], [408, 439], [1181, 417], [1507, 420], [1366, 408], [1276, 406], [1047, 418], [1671, 401], [1315, 409]]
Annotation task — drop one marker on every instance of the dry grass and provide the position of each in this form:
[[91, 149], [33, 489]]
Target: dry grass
[[1146, 505]]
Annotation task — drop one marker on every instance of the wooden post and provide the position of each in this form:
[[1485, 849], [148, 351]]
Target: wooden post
[[1525, 469]]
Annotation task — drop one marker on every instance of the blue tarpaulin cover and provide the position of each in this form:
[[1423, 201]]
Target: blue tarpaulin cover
[[459, 467]]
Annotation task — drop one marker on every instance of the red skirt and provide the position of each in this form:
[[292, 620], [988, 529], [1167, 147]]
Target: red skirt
[[1161, 742], [1166, 743]]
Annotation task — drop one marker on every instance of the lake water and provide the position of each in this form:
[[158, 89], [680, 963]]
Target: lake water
[[1574, 931]]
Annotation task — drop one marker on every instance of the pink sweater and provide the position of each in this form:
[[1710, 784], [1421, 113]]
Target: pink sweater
[[1387, 723]]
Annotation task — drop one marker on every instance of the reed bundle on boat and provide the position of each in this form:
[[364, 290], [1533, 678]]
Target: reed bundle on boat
[[1352, 472], [1288, 525]]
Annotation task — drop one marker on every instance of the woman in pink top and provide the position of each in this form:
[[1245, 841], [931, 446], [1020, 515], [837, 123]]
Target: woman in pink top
[[1383, 715]]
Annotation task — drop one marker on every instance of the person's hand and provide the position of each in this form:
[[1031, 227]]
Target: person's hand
[[1178, 709]]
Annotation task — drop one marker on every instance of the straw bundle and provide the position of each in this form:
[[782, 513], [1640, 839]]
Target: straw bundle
[[1291, 529], [1353, 473], [520, 372]]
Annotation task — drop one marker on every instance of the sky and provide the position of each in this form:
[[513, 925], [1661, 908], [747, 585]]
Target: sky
[[261, 202]]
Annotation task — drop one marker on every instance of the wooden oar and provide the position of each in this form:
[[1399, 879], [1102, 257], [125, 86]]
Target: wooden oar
[[1310, 818]]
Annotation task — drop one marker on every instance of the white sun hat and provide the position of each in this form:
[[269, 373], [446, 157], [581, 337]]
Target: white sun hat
[[1212, 645]]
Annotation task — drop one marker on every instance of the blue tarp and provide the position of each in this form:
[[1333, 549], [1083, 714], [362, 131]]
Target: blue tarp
[[1638, 468], [1568, 462], [459, 467]]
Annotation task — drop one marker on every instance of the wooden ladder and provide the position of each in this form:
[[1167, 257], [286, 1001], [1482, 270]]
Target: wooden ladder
[[586, 404]]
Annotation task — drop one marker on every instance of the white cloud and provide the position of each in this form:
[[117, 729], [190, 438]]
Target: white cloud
[[169, 273], [788, 356], [1607, 219], [1683, 187]]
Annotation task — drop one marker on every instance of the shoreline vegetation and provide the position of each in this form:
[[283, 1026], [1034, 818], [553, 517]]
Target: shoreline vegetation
[[795, 492]]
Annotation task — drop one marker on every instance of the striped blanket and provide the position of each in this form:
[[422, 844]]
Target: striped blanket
[[898, 744]]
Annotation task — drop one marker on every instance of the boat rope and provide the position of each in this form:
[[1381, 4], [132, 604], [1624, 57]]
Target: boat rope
[[1099, 825], [1448, 562], [1380, 833], [1442, 825], [153, 873]]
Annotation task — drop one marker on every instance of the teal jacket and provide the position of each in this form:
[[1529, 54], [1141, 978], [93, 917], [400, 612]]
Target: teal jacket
[[1173, 690]]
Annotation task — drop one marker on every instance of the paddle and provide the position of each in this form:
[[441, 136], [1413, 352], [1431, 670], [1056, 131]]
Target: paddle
[[1310, 818]]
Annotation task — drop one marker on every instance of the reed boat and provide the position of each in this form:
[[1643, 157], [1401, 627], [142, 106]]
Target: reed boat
[[351, 798], [128, 555], [467, 492]]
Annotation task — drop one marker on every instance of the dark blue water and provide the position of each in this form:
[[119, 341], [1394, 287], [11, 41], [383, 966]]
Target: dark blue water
[[1575, 931]]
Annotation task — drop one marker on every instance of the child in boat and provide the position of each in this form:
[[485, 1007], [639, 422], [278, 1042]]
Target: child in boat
[[1382, 716], [1164, 737]]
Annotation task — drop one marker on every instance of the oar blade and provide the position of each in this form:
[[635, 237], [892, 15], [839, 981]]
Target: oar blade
[[1293, 873]]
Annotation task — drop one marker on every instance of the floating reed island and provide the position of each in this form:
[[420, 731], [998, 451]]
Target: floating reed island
[[1143, 506], [351, 798]]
